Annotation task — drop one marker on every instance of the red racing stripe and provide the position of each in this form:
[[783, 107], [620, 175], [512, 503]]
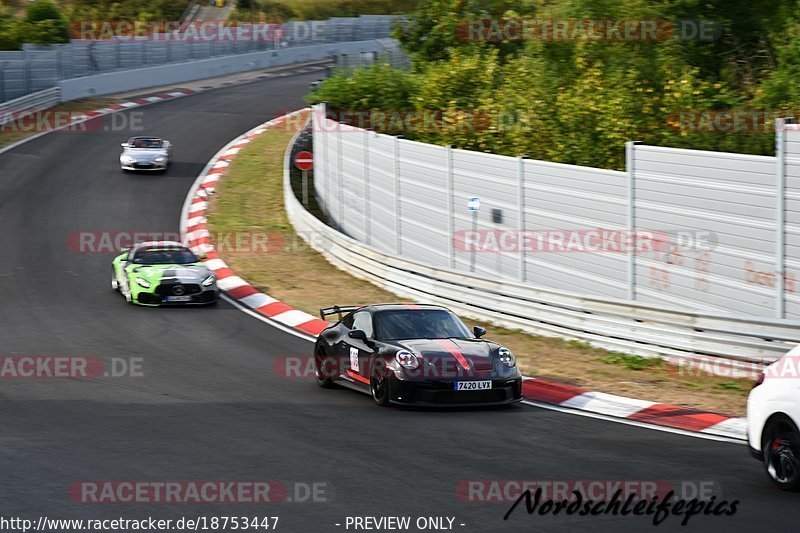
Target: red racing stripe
[[451, 347]]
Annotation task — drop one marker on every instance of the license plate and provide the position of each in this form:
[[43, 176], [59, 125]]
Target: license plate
[[179, 298], [473, 385]]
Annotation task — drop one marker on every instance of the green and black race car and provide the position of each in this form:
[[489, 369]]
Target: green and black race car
[[163, 273]]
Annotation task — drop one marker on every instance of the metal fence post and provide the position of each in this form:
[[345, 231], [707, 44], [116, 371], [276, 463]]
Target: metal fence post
[[521, 211], [367, 219], [451, 211], [630, 166], [398, 227], [59, 64], [27, 63], [780, 214], [326, 167], [339, 176]]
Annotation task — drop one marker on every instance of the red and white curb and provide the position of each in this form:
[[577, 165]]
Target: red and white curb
[[633, 410], [637, 412], [195, 234]]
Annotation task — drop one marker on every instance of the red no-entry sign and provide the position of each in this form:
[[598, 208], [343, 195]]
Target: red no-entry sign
[[304, 160]]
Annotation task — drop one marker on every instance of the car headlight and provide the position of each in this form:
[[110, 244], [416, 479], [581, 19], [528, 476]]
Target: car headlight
[[143, 283], [127, 159], [407, 359], [506, 357], [209, 281], [160, 159]]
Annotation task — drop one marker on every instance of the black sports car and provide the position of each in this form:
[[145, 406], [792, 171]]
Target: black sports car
[[415, 354]]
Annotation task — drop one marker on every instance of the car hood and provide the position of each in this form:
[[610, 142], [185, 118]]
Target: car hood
[[176, 273], [448, 355], [145, 155]]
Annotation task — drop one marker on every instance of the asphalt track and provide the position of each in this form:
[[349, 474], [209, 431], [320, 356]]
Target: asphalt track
[[210, 406]]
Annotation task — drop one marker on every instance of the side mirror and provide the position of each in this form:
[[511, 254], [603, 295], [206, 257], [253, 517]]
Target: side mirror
[[124, 145], [479, 331], [124, 257], [359, 334], [124, 250]]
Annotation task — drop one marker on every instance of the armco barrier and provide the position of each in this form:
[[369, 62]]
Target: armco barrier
[[34, 101], [725, 344]]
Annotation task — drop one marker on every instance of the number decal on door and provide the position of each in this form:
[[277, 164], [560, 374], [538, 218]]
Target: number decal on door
[[354, 359]]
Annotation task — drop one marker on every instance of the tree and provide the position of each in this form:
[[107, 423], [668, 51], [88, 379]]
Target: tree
[[45, 23]]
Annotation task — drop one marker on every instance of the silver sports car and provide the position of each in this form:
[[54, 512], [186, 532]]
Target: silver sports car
[[146, 153]]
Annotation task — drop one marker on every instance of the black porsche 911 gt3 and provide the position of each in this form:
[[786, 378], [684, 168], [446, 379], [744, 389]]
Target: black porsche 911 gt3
[[414, 354]]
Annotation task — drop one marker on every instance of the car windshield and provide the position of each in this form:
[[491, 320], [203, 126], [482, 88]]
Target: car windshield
[[419, 324], [146, 143], [164, 256]]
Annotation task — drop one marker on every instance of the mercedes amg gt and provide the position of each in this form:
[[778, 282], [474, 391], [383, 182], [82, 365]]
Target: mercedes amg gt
[[414, 354], [163, 273]]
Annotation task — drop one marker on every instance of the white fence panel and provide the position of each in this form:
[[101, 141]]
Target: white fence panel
[[724, 229]]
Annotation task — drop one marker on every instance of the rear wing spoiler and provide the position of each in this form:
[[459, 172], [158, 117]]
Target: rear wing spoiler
[[337, 310]]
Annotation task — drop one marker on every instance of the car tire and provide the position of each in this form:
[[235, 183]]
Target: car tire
[[321, 361], [780, 449], [379, 384], [114, 281]]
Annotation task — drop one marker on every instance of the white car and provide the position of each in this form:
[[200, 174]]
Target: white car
[[773, 419], [146, 153]]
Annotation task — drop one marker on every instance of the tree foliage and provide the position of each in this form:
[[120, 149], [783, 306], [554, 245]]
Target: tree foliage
[[578, 100]]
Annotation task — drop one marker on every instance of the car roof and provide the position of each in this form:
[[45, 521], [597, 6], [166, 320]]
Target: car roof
[[159, 244], [403, 306], [145, 138]]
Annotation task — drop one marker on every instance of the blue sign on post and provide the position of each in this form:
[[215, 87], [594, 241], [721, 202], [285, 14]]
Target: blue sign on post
[[473, 203]]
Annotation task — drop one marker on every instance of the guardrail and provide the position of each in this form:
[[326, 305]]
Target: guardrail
[[725, 344], [9, 111]]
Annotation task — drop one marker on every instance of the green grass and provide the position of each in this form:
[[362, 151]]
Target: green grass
[[632, 362]]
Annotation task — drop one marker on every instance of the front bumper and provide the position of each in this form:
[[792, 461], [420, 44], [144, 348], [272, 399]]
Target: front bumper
[[442, 393], [164, 294], [144, 166]]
